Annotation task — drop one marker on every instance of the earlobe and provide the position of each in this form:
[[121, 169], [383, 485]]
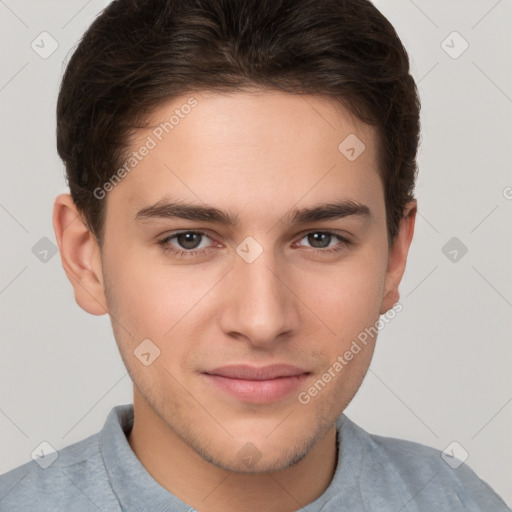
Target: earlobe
[[398, 257], [80, 255]]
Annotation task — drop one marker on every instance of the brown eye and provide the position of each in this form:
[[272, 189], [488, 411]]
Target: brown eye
[[186, 243], [321, 238], [321, 241], [188, 240]]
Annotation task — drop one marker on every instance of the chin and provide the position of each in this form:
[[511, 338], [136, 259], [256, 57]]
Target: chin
[[255, 462], [258, 457]]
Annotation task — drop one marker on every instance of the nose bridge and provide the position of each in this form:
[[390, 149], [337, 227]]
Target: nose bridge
[[260, 305]]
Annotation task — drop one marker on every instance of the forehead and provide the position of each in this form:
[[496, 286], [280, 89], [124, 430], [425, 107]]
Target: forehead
[[268, 147]]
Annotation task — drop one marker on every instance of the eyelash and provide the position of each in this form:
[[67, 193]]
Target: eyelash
[[166, 247]]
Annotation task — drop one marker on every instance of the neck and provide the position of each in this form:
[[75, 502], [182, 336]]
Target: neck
[[183, 472]]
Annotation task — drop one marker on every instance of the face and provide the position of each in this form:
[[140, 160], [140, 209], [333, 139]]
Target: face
[[223, 303]]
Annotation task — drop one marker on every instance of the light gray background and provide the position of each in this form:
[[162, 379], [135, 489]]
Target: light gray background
[[441, 371]]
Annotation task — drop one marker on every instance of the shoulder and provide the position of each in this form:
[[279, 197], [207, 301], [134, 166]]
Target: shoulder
[[420, 475], [75, 480]]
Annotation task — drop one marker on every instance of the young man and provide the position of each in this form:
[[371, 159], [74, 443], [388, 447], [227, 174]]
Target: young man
[[241, 177]]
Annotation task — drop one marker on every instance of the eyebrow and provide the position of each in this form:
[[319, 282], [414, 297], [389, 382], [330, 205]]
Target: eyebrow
[[164, 209]]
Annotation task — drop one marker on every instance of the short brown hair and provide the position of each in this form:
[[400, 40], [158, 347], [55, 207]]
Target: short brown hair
[[138, 54]]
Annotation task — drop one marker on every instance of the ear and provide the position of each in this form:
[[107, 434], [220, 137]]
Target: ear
[[398, 257], [80, 255]]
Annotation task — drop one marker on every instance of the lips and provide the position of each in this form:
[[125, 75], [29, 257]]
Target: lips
[[246, 372], [259, 385]]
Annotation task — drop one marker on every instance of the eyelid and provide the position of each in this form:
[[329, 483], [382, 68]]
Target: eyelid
[[343, 240], [174, 234], [341, 233]]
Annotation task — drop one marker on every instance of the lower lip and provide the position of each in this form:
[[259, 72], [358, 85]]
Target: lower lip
[[257, 391]]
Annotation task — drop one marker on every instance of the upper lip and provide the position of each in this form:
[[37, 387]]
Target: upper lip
[[247, 372]]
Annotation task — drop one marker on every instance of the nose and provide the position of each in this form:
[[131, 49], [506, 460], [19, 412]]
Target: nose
[[259, 304]]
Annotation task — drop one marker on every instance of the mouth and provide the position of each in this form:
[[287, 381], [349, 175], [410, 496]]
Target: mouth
[[258, 385]]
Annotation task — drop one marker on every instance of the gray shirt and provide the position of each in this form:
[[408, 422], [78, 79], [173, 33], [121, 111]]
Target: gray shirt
[[373, 473]]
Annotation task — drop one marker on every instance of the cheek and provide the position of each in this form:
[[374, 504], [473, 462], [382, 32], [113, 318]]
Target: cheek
[[348, 299], [148, 293], [154, 300]]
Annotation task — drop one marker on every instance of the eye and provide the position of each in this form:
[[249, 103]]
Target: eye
[[189, 243], [321, 240], [187, 240]]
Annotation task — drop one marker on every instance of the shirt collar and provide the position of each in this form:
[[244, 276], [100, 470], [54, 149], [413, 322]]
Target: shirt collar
[[136, 489]]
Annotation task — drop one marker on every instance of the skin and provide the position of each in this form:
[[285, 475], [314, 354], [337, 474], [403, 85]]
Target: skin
[[258, 154]]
